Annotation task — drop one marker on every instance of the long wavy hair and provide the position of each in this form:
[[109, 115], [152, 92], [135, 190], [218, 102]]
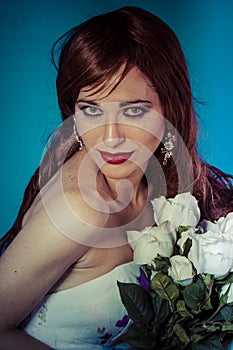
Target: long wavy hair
[[89, 55]]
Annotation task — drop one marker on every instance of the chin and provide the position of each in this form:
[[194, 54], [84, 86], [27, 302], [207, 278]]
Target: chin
[[119, 171]]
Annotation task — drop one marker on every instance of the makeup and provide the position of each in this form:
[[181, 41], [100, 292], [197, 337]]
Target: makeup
[[115, 158]]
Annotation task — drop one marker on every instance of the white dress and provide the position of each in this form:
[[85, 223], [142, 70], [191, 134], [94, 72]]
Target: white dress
[[86, 317]]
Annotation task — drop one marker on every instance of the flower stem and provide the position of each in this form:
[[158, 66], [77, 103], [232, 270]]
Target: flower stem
[[210, 286], [216, 311]]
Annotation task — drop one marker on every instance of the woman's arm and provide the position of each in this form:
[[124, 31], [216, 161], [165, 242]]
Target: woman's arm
[[33, 262]]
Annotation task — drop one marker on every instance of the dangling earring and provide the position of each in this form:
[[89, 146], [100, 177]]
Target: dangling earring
[[169, 140], [78, 138]]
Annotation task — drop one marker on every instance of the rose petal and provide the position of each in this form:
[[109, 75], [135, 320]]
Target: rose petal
[[145, 250], [181, 210]]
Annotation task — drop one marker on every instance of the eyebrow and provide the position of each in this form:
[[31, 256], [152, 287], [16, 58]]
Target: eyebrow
[[87, 101], [122, 104]]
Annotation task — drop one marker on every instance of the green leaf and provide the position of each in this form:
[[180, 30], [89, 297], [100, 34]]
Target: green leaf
[[192, 296], [224, 298], [198, 231], [181, 334], [202, 286], [161, 309], [137, 302], [165, 287], [187, 247], [210, 343], [181, 308], [199, 328], [197, 337], [227, 327], [213, 328], [182, 229], [161, 264], [140, 337], [227, 313], [207, 279], [170, 343], [207, 305], [228, 278]]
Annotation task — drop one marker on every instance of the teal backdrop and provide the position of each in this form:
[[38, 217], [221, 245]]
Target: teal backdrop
[[29, 109]]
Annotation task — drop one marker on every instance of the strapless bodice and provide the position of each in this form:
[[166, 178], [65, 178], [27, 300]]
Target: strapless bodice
[[88, 316]]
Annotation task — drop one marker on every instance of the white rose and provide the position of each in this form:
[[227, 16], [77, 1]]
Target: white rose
[[228, 290], [210, 252], [133, 236], [217, 257], [151, 242], [181, 270], [182, 210], [223, 226]]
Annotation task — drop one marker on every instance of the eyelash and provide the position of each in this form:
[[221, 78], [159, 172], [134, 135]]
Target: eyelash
[[142, 110], [85, 108]]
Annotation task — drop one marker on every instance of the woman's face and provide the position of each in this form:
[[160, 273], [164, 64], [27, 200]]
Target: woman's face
[[120, 129]]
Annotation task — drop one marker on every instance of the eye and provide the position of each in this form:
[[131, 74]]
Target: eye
[[91, 111], [135, 111]]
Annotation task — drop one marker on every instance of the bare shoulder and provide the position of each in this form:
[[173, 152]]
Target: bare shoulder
[[38, 256], [79, 190], [42, 247], [54, 236], [70, 198]]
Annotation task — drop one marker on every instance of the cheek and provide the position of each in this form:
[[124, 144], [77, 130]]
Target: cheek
[[93, 138], [151, 142], [151, 135], [158, 133], [158, 129], [90, 138]]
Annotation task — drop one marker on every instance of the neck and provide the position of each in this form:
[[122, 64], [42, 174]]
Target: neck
[[124, 191]]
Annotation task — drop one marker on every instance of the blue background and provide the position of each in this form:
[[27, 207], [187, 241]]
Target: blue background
[[29, 109]]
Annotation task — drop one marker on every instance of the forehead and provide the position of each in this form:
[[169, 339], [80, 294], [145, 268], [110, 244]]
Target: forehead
[[134, 86]]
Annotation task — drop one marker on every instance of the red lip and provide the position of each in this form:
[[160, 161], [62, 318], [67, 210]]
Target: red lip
[[116, 158]]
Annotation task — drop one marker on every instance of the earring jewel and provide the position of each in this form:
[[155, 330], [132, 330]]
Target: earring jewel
[[169, 140], [78, 138]]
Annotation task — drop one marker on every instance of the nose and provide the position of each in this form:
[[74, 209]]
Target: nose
[[113, 136]]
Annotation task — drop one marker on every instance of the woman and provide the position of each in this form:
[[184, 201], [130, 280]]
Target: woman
[[128, 135]]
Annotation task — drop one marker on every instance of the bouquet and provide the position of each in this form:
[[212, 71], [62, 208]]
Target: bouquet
[[184, 299]]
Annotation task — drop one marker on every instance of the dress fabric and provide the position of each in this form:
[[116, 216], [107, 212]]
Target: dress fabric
[[85, 317]]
